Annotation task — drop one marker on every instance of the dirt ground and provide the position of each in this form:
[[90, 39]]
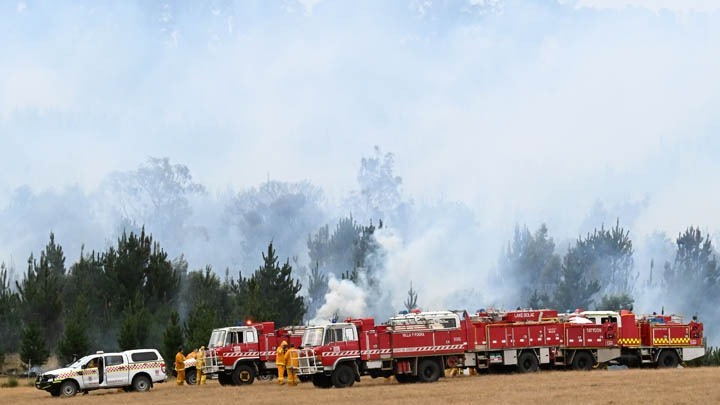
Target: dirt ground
[[646, 386]]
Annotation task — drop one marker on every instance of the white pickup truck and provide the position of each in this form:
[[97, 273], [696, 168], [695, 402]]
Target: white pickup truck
[[131, 370]]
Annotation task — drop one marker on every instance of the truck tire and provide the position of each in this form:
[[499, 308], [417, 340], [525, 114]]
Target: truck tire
[[668, 359], [428, 371], [225, 379], [582, 361], [68, 388], [527, 362], [243, 374], [405, 378], [343, 376], [191, 376], [141, 383], [321, 381]]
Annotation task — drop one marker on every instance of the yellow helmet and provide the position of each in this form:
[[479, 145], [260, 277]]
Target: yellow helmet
[[284, 343]]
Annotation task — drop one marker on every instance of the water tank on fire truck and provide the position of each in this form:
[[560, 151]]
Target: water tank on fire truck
[[433, 319]]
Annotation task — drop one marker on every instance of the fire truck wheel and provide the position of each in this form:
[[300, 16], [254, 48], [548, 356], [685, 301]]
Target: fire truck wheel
[[321, 381], [527, 362], [582, 361], [243, 375], [343, 376], [405, 378], [225, 379], [429, 371], [68, 388], [668, 359], [191, 376]]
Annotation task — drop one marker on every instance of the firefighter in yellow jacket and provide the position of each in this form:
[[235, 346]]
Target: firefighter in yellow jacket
[[280, 361], [291, 362], [180, 366], [200, 365]]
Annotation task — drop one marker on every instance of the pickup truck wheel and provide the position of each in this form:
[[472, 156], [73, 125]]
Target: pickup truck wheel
[[141, 383], [191, 376], [68, 388]]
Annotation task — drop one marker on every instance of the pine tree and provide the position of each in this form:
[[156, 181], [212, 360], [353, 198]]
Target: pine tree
[[694, 275], [135, 329], [271, 294], [199, 325], [531, 266], [411, 301], [575, 290], [317, 288], [41, 291], [33, 349], [172, 339], [9, 313], [616, 302], [75, 342]]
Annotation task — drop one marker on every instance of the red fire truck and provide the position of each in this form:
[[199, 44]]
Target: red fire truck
[[239, 354], [656, 340], [528, 339], [417, 347]]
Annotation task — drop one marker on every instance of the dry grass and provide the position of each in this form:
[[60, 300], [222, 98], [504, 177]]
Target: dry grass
[[676, 386]]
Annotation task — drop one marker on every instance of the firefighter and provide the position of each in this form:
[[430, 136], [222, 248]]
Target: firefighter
[[280, 361], [291, 362], [191, 355], [200, 365], [180, 366]]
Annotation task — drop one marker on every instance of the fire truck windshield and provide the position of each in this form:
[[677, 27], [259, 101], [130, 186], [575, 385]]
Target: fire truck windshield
[[217, 339], [313, 337]]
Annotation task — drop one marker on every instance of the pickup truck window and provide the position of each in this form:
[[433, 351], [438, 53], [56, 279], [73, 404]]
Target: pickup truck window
[[113, 360], [144, 356]]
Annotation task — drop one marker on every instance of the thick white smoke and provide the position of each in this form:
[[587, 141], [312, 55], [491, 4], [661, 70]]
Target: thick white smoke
[[343, 299]]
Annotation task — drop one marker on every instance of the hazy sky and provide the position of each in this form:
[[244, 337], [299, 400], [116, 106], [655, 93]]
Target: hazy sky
[[526, 111]]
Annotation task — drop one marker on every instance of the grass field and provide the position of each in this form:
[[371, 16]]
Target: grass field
[[646, 386]]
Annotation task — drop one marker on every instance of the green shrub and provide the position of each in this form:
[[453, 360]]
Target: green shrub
[[12, 382]]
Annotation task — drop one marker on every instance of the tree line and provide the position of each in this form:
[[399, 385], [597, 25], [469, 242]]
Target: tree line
[[132, 295]]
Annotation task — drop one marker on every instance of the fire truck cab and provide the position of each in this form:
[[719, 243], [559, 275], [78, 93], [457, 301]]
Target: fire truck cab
[[239, 354], [330, 353]]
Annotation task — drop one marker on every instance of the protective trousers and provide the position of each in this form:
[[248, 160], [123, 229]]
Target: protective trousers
[[281, 374]]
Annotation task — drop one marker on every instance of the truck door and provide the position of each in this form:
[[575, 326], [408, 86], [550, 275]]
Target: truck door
[[116, 370], [91, 372], [251, 344], [342, 339]]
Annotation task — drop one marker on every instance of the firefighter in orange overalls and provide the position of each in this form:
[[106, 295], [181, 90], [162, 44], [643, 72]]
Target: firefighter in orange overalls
[[291, 362], [180, 366], [280, 361]]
